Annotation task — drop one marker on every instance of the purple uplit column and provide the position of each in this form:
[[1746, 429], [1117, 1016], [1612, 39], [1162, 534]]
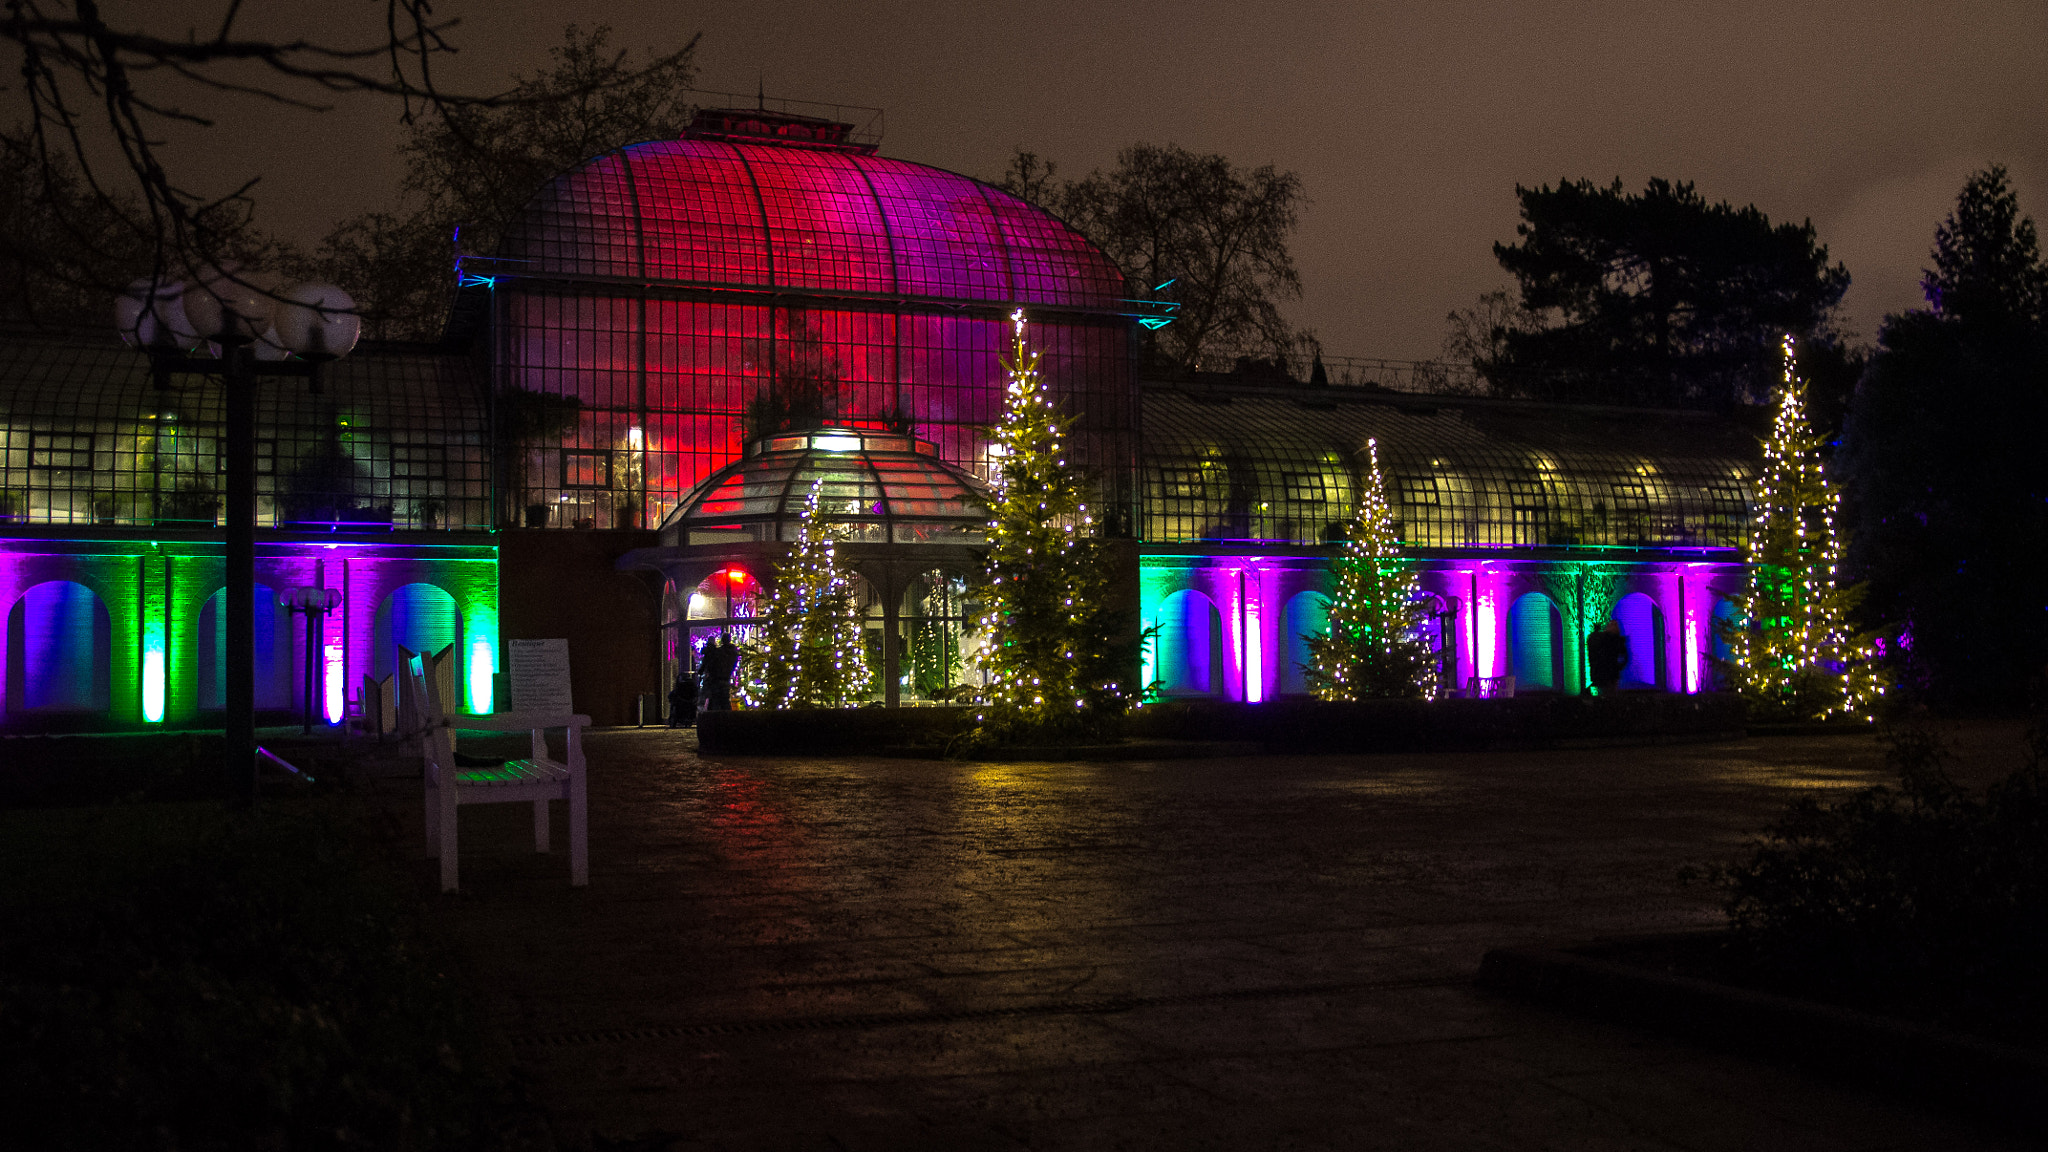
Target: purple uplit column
[[1475, 665], [333, 655], [1273, 594], [1225, 582], [11, 588], [1252, 659], [360, 592], [1668, 594], [1507, 589], [1688, 641]]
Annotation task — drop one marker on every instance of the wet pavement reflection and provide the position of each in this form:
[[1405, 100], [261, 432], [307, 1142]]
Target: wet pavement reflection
[[1263, 952]]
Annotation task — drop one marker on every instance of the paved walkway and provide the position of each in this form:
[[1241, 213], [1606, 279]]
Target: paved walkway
[[1273, 952]]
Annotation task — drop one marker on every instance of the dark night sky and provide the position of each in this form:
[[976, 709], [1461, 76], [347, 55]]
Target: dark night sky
[[1409, 123]]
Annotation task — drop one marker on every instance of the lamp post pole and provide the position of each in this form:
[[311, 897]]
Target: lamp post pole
[[239, 380], [314, 602], [167, 319], [240, 555]]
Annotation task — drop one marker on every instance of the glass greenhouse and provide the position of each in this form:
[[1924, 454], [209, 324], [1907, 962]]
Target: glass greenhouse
[[679, 340], [667, 287]]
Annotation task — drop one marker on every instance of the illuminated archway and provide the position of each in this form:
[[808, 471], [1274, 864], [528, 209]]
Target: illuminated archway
[[421, 618], [1308, 614], [59, 650], [1190, 645], [725, 601], [1536, 643], [272, 653], [1726, 615], [1642, 629]]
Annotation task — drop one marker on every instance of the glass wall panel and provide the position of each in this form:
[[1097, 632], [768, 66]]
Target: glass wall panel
[[648, 430], [750, 267], [392, 439], [942, 638]]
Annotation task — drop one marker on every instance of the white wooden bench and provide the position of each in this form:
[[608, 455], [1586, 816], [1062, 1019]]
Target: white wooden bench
[[538, 779]]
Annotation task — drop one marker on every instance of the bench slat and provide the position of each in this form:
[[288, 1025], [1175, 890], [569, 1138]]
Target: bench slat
[[515, 772]]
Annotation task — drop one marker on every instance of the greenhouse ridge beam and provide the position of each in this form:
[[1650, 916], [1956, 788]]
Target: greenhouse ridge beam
[[730, 293]]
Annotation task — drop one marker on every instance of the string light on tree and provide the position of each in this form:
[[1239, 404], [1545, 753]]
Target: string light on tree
[[1794, 654], [1374, 644], [1060, 649], [808, 649]]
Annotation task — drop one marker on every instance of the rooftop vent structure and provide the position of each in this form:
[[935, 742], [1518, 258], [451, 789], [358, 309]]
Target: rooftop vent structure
[[755, 125]]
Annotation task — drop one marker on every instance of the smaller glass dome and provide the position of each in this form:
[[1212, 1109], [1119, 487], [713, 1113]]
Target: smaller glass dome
[[875, 487]]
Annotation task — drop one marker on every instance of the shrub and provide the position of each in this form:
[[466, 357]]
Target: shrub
[[1924, 900]]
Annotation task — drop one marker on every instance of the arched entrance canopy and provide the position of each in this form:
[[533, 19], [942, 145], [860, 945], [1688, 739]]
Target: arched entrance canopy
[[900, 513], [875, 487]]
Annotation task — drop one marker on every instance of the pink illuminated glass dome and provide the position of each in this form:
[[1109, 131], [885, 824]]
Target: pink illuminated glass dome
[[729, 213], [670, 287]]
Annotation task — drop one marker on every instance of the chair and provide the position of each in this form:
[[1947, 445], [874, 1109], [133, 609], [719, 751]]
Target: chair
[[376, 707], [538, 779]]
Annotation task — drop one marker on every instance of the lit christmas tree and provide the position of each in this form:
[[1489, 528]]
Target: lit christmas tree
[[1794, 653], [1374, 646], [1062, 651], [808, 649]]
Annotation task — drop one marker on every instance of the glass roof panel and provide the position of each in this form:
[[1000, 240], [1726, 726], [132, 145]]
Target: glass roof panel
[[823, 223], [926, 498], [702, 222], [1285, 465], [759, 214]]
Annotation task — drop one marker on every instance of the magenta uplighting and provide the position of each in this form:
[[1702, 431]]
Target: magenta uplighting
[[129, 632]]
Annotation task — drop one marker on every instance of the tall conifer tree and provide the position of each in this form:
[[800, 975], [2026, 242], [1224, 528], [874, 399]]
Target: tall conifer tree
[[1794, 654], [1060, 655], [808, 651], [1943, 449], [1374, 645]]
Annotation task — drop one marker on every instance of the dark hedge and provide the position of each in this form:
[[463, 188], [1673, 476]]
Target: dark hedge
[[1924, 900], [1277, 726], [176, 976], [1444, 725]]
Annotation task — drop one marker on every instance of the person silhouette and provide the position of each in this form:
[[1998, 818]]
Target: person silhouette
[[1606, 656], [682, 701], [721, 659]]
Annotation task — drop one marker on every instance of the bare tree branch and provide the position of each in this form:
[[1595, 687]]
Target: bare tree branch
[[1195, 230], [88, 89]]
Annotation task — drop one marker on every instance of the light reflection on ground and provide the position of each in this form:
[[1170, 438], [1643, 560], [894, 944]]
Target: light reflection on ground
[[1198, 953]]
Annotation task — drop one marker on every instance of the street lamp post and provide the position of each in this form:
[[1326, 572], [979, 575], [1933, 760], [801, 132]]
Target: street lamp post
[[314, 603], [254, 330]]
